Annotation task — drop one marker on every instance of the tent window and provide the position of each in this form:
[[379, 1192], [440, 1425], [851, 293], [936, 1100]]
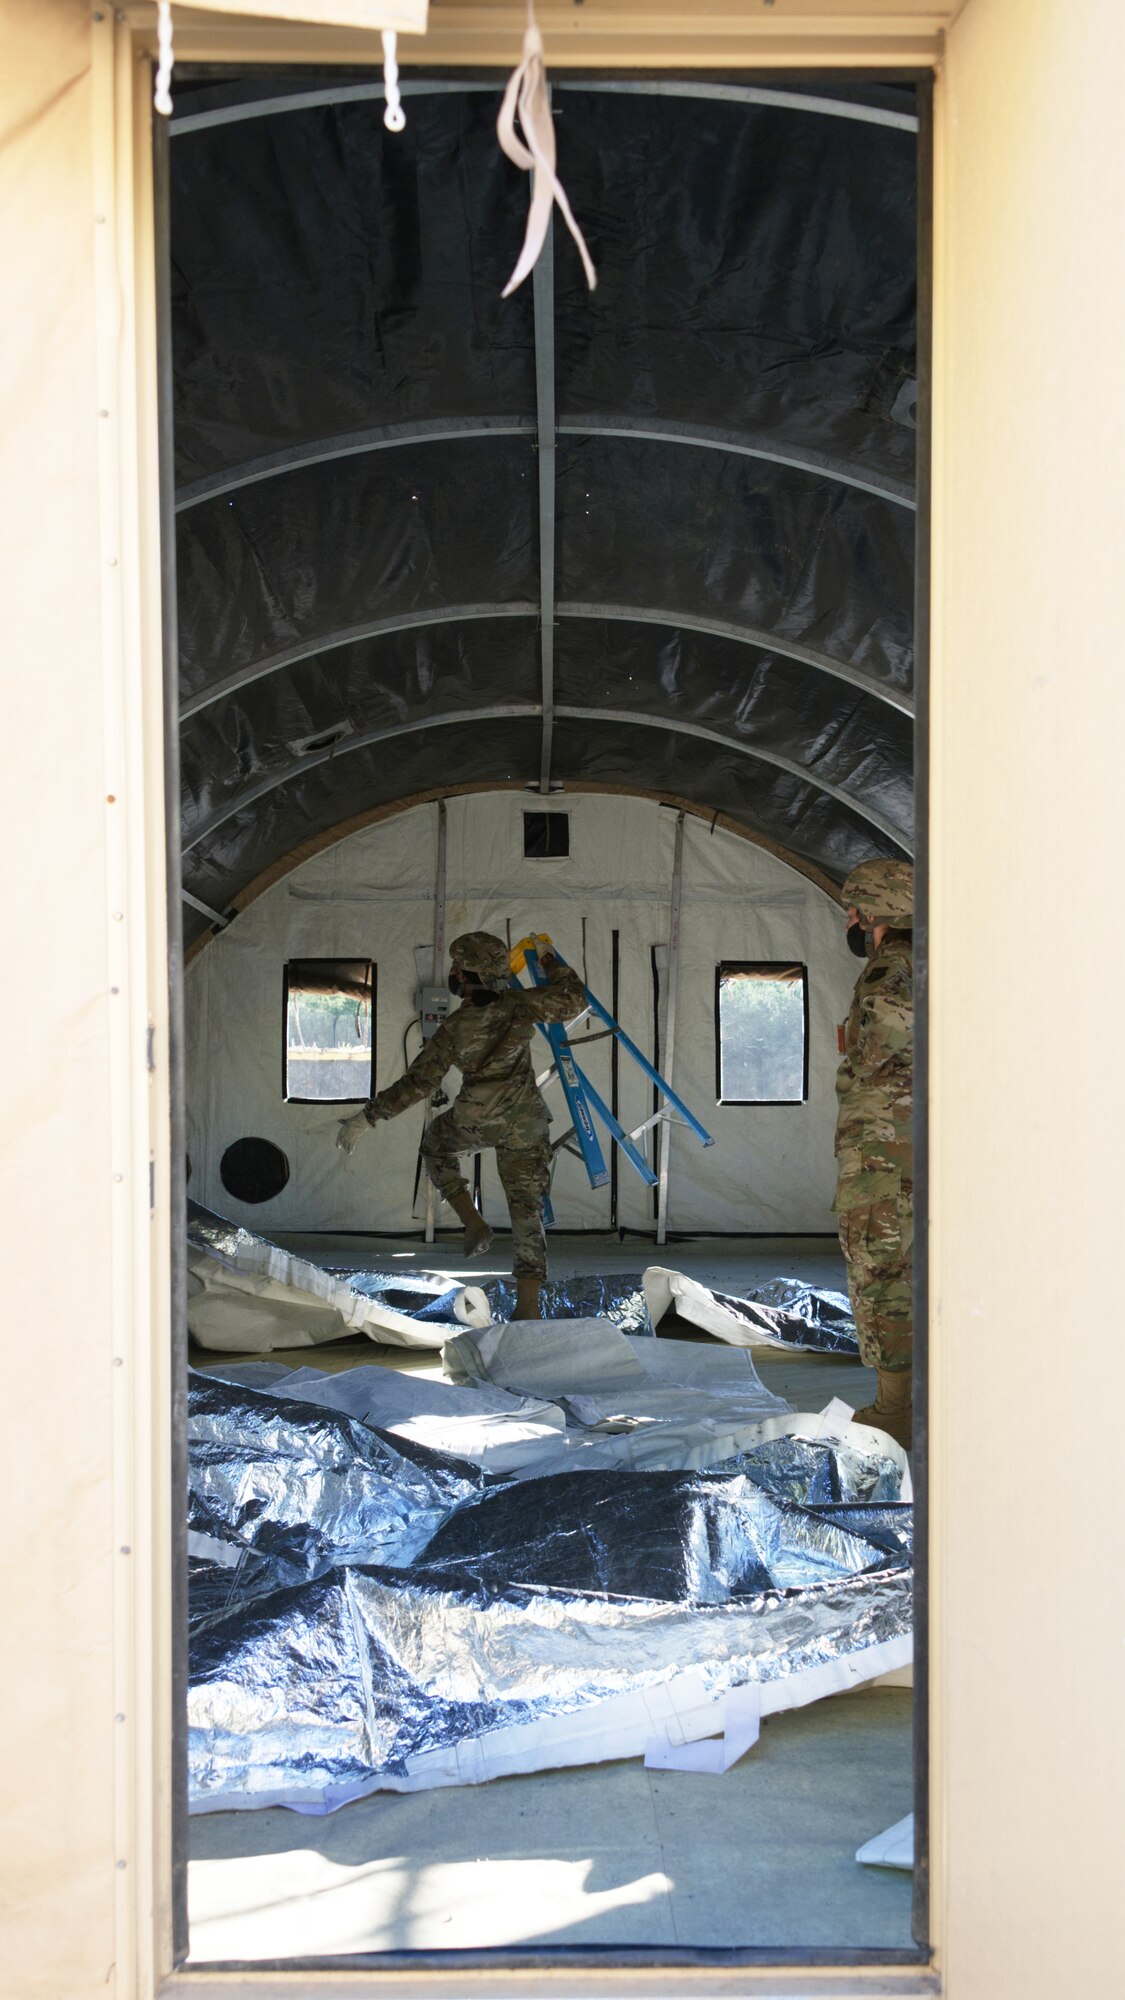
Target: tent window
[[762, 1033], [546, 836], [329, 1030]]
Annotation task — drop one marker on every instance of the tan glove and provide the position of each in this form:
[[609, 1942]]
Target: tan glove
[[351, 1131]]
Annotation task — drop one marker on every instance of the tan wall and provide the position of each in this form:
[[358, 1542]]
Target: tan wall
[[1028, 1098], [83, 1654], [56, 1681]]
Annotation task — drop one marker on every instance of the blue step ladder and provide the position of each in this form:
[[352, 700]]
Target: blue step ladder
[[583, 1101]]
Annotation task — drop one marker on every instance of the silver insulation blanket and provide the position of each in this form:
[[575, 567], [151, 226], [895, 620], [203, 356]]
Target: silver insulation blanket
[[248, 1295], [368, 1618], [780, 1312], [368, 1680], [308, 1487], [429, 1297]]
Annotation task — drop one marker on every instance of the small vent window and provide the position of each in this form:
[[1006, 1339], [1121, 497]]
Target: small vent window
[[546, 836], [329, 1030], [762, 1033]]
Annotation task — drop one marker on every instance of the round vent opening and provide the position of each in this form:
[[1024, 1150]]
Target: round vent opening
[[254, 1170]]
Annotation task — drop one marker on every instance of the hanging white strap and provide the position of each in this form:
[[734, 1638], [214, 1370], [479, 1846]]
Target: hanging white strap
[[162, 88], [527, 97], [394, 117]]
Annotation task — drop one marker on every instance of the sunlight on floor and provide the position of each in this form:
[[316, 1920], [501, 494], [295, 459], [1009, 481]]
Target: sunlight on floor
[[301, 1904]]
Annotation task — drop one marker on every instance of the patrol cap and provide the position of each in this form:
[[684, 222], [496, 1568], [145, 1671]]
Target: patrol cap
[[487, 956], [882, 892]]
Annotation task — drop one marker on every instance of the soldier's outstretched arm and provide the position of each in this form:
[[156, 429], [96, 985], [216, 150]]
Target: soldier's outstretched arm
[[434, 1058]]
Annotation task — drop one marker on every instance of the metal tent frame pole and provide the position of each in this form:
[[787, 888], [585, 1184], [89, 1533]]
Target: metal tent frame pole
[[665, 1126], [543, 288], [438, 978]]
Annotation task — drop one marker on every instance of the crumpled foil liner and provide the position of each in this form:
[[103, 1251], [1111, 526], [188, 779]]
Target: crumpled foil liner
[[308, 1487], [813, 1472], [619, 1297], [414, 1614], [207, 1231], [675, 1537], [350, 1680], [429, 1297], [823, 1320]]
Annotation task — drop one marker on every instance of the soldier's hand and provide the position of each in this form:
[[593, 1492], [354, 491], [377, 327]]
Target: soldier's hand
[[350, 1131], [549, 962]]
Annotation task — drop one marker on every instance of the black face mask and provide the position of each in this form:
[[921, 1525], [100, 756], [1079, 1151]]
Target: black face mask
[[857, 935], [456, 985]]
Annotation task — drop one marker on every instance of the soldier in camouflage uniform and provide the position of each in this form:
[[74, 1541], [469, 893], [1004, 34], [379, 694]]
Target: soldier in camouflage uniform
[[488, 1038], [874, 1153]]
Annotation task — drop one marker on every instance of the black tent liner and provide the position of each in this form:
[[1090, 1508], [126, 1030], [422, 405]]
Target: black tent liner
[[361, 515]]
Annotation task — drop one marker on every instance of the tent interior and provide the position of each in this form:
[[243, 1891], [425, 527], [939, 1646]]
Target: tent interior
[[587, 613]]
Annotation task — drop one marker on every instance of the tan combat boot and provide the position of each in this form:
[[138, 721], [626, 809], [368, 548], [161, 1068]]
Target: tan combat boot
[[893, 1408], [478, 1233], [529, 1299]]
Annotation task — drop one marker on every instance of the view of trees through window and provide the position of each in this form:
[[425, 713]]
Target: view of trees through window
[[762, 1030], [329, 1014]]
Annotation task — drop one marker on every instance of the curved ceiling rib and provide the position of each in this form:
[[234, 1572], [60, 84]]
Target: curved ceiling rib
[[746, 93], [353, 444], [375, 628], [745, 445], [443, 430], [715, 93], [531, 711], [631, 718], [744, 635], [497, 712]]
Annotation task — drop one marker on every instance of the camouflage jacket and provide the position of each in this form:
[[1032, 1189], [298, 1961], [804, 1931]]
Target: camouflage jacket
[[491, 1046], [875, 1081]]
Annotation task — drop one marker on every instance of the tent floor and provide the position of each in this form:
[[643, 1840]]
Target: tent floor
[[604, 1855], [607, 1854]]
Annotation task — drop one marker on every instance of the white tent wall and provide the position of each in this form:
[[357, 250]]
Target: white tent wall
[[372, 895]]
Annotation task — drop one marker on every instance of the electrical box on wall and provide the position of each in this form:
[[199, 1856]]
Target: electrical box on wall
[[433, 1004]]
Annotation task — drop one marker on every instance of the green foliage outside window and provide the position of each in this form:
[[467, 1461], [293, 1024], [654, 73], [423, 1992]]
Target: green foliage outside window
[[329, 1008], [763, 1031]]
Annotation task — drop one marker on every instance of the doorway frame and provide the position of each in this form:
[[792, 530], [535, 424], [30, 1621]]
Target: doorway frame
[[149, 1464]]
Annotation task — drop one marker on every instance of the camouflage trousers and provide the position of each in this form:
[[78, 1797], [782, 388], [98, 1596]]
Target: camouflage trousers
[[877, 1239], [525, 1176]]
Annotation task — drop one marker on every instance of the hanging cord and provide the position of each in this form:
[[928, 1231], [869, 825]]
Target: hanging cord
[[527, 97], [394, 117], [162, 90]]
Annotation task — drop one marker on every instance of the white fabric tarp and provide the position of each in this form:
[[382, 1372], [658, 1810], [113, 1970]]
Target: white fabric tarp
[[261, 1297], [689, 1408], [892, 1849], [498, 1431], [743, 1322], [651, 1405]]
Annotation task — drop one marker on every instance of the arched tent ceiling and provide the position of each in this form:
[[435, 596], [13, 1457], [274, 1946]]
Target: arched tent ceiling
[[660, 536]]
